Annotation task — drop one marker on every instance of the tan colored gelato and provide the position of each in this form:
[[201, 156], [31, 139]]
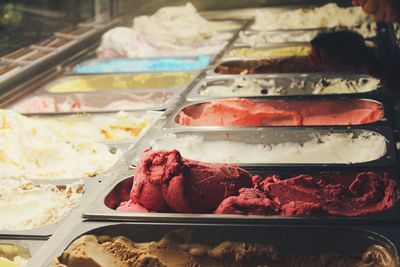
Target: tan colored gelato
[[91, 83], [287, 51], [177, 249]]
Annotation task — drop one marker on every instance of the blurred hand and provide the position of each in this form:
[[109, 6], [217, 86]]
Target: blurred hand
[[382, 10]]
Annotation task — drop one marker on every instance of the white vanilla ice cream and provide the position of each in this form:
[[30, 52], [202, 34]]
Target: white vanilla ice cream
[[327, 16], [124, 41], [176, 25], [30, 149], [267, 37], [342, 148], [171, 31], [241, 86], [24, 205]]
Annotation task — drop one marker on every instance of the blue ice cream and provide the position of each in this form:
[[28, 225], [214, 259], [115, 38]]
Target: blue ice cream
[[141, 65]]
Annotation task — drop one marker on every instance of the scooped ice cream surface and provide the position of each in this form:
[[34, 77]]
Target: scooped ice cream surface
[[165, 181], [244, 112]]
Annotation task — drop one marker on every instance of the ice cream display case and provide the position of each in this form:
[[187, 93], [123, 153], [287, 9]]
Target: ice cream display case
[[210, 133], [276, 243]]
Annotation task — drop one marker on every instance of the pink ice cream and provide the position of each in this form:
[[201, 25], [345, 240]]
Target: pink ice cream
[[244, 112]]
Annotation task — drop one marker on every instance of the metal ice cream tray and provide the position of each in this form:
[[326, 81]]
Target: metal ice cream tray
[[28, 54], [98, 101], [288, 239], [43, 232], [104, 208], [190, 106], [278, 85], [277, 136]]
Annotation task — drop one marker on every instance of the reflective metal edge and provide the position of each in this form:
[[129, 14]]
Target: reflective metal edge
[[10, 85], [388, 159]]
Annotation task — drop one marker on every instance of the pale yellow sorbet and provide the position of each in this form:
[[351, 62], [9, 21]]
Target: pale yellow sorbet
[[287, 51], [12, 255], [91, 83]]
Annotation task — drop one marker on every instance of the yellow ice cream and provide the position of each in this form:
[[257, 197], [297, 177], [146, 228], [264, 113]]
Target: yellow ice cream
[[4, 262], [91, 83], [13, 255], [287, 51]]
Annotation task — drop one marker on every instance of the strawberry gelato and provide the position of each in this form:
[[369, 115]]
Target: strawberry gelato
[[166, 182], [244, 112]]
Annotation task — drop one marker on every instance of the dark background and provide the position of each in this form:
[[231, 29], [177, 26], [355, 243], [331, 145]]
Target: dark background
[[23, 22]]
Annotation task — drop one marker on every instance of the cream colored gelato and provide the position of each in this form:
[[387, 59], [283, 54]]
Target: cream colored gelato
[[121, 126], [246, 86], [327, 16], [179, 25], [171, 31], [103, 102], [342, 148], [92, 83], [285, 51], [24, 205], [263, 38], [242, 86], [344, 86], [32, 150]]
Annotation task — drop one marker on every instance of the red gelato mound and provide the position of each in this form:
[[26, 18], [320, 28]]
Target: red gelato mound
[[165, 181], [243, 112], [367, 193], [251, 201]]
